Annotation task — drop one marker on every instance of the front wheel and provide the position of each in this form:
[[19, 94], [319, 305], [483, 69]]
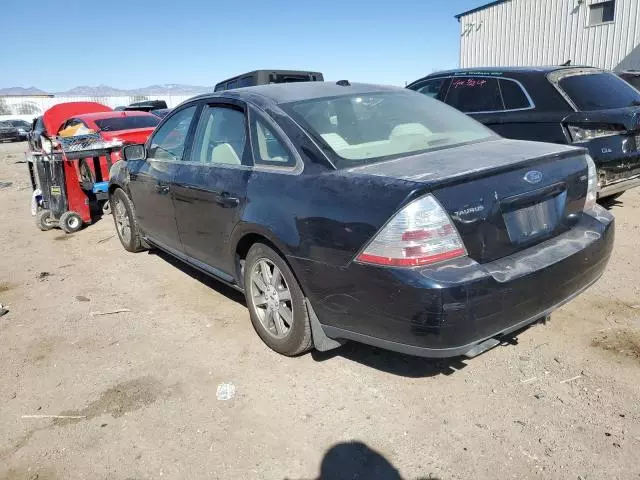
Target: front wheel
[[276, 302], [125, 220]]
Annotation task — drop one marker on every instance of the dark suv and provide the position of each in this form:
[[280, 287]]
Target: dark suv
[[582, 106]]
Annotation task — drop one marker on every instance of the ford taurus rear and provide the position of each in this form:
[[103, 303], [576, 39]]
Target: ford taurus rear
[[476, 236]]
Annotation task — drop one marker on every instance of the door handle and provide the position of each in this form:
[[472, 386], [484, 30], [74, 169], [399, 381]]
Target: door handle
[[225, 200], [162, 188]]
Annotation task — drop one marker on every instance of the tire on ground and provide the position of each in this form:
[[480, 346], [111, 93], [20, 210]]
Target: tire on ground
[[134, 243], [298, 340], [44, 220], [70, 222]]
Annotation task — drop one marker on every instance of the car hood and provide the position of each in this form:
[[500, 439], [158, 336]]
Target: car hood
[[54, 117], [450, 165], [135, 135], [628, 116]]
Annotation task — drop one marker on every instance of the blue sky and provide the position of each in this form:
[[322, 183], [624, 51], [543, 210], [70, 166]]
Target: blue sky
[[135, 43]]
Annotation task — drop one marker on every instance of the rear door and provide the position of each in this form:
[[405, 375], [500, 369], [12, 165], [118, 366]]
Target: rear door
[[210, 186], [151, 179]]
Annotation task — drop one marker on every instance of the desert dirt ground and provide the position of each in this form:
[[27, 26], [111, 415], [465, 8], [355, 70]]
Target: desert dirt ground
[[562, 401]]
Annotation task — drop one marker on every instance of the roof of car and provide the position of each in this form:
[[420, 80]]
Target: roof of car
[[544, 69], [293, 92], [112, 114]]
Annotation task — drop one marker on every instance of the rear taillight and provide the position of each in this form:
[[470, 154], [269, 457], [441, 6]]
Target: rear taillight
[[592, 184], [419, 234], [580, 133]]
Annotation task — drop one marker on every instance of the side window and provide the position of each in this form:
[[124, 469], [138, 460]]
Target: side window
[[513, 96], [475, 94], [168, 142], [434, 88], [245, 82], [220, 137], [269, 148]]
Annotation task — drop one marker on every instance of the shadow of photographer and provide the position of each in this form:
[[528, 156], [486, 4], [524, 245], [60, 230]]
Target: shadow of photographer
[[356, 461]]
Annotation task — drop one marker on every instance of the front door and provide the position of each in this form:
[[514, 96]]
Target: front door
[[151, 179], [210, 186]]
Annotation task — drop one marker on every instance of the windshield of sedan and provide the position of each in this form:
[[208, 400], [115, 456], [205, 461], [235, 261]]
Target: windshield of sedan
[[127, 123], [371, 127], [599, 91]]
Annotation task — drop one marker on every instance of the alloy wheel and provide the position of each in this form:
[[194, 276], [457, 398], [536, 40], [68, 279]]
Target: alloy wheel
[[271, 298], [122, 221]]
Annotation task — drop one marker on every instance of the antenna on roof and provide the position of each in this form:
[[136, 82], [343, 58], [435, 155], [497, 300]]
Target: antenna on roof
[[567, 63]]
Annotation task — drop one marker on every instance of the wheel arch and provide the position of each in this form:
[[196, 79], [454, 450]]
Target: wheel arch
[[245, 236], [119, 178]]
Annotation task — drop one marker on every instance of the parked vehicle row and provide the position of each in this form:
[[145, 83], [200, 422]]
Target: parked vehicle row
[[580, 106], [376, 214]]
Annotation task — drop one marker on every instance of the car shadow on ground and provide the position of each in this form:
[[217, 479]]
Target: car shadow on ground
[[218, 286], [349, 460], [384, 360], [406, 365], [609, 204]]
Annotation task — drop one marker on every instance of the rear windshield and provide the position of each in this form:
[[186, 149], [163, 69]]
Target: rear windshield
[[598, 91], [633, 80], [366, 128], [280, 78], [127, 123]]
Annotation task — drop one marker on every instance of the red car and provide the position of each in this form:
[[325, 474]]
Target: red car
[[128, 127]]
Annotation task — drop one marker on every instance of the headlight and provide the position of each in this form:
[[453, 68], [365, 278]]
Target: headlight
[[22, 131], [580, 134], [592, 184]]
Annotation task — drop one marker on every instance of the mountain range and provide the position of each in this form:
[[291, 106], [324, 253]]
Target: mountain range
[[107, 91]]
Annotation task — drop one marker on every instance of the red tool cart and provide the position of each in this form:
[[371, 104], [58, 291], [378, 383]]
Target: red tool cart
[[69, 175], [61, 197]]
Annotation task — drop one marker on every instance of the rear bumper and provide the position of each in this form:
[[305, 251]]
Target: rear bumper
[[619, 186], [620, 170], [448, 309]]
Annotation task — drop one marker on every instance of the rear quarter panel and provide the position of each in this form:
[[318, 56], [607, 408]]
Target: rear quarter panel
[[326, 217], [526, 125]]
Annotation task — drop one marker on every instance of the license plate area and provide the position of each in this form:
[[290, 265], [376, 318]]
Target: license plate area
[[535, 221]]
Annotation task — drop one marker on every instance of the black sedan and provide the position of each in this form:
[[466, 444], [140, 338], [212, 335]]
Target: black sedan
[[583, 106], [359, 212], [14, 130]]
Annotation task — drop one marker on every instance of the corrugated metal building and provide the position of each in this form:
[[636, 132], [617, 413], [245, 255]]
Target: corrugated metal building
[[599, 33], [28, 107]]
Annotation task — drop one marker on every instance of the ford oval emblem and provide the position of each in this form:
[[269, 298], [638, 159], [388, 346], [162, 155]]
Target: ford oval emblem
[[533, 177]]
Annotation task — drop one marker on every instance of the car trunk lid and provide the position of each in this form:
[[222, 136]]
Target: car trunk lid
[[502, 195]]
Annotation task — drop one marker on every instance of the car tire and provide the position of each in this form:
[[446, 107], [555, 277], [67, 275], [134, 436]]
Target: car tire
[[45, 220], [276, 302], [124, 218], [70, 222]]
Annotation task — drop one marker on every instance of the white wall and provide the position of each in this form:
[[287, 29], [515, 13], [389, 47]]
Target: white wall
[[28, 108], [550, 32]]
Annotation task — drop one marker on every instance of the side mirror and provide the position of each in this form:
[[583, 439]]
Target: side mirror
[[134, 152]]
